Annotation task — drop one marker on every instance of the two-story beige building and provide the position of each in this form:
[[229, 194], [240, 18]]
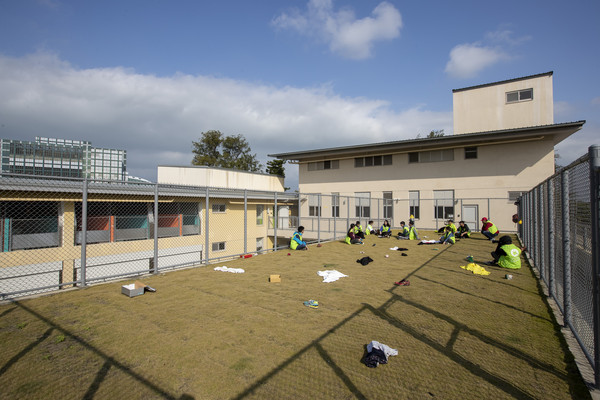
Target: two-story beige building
[[503, 144]]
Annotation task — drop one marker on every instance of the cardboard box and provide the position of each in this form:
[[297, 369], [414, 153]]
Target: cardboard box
[[275, 278], [134, 289]]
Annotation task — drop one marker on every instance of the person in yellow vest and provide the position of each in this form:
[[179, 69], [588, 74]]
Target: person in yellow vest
[[463, 231], [358, 230], [370, 230], [507, 255], [448, 236], [386, 229], [297, 243], [351, 236], [403, 233], [488, 229], [449, 223], [412, 231]]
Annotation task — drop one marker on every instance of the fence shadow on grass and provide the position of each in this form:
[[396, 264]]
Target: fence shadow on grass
[[446, 350], [109, 362]]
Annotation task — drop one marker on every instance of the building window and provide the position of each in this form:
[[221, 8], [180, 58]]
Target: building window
[[218, 246], [388, 207], [259, 244], [431, 156], [335, 205], [363, 204], [260, 209], [373, 161], [413, 203], [321, 165], [443, 204], [470, 153], [314, 208], [218, 208], [519, 95]]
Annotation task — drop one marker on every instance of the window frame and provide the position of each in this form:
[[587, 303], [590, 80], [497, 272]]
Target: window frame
[[219, 249], [520, 97], [219, 208], [414, 210], [469, 151]]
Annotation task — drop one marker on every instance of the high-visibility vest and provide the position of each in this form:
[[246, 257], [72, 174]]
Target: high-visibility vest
[[448, 235], [513, 259], [412, 233], [492, 229], [293, 242], [453, 227], [385, 228], [369, 229]]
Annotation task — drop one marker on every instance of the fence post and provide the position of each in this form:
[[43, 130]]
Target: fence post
[[435, 214], [550, 211], [594, 153], [84, 231], [206, 238], [275, 218], [335, 200], [542, 227], [299, 208], [348, 213], [319, 219], [536, 223], [566, 234], [245, 221], [156, 229]]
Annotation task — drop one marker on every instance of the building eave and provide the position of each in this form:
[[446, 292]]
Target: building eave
[[558, 131]]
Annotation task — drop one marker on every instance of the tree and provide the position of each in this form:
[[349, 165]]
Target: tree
[[275, 167], [217, 150], [434, 133]]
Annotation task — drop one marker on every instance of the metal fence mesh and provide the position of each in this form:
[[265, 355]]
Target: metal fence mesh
[[558, 229]]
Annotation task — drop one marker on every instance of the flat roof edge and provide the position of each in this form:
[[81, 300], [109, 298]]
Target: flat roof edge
[[549, 73]]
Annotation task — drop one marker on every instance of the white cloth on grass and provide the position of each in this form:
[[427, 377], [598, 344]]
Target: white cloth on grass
[[394, 248], [227, 269], [330, 275], [430, 241], [387, 350]]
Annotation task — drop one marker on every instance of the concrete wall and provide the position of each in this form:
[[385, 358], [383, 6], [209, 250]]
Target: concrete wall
[[485, 108], [218, 177]]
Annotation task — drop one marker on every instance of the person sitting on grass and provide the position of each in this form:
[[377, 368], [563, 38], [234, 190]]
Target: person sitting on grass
[[386, 229], [412, 231], [463, 231], [448, 236], [403, 234], [297, 243], [370, 230], [358, 230], [351, 236], [506, 255], [449, 223], [488, 229]]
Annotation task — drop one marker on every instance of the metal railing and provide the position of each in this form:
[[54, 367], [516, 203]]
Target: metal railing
[[560, 230]]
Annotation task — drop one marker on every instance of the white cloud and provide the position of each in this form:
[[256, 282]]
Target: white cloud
[[345, 34], [467, 60], [156, 118]]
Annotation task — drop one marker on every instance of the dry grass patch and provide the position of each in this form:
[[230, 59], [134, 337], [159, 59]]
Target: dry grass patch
[[214, 335]]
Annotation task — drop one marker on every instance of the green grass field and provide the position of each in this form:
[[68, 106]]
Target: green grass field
[[216, 335]]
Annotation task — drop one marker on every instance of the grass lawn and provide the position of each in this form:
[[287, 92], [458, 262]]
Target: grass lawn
[[207, 334]]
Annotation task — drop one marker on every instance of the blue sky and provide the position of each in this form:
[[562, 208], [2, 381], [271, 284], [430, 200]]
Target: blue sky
[[150, 76]]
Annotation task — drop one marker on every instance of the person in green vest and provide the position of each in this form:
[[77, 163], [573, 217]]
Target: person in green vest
[[507, 255], [296, 243], [463, 231], [370, 230], [351, 236], [412, 231], [448, 236], [403, 233], [449, 223], [488, 229], [358, 230], [386, 229]]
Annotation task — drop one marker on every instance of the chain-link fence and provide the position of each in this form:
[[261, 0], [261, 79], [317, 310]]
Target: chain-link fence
[[57, 233], [560, 230]]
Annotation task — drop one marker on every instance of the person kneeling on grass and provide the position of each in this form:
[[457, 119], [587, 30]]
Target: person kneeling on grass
[[358, 230], [297, 243], [463, 231], [351, 237], [506, 255], [448, 236], [488, 229]]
